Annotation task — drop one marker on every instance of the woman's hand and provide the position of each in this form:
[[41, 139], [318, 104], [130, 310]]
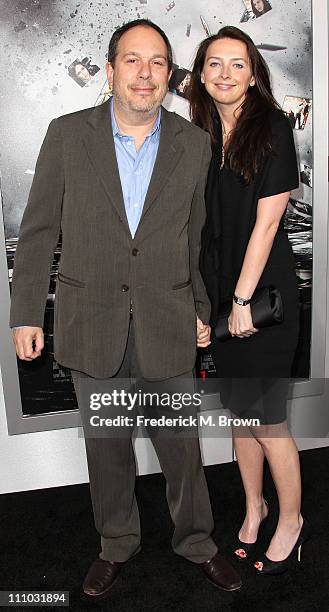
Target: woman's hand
[[240, 322]]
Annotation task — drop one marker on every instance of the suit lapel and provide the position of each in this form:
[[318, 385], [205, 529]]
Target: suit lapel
[[99, 142], [169, 153]]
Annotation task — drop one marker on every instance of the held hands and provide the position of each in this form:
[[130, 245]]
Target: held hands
[[202, 334], [29, 342], [240, 322]]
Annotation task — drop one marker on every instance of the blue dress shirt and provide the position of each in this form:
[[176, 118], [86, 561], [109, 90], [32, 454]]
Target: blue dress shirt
[[135, 168]]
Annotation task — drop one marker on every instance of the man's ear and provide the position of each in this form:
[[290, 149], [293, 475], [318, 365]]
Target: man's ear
[[169, 76], [109, 72]]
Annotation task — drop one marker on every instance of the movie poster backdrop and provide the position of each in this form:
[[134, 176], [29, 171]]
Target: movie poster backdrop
[[55, 54]]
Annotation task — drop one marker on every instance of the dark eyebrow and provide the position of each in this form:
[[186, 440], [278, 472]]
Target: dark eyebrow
[[157, 55], [233, 59]]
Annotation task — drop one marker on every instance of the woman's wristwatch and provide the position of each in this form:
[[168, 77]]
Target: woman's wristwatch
[[241, 301]]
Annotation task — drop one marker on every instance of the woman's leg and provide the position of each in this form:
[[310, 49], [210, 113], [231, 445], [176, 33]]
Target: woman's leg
[[250, 457], [282, 455]]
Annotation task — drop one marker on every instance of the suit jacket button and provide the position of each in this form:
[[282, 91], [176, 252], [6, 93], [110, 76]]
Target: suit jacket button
[[135, 252], [124, 288]]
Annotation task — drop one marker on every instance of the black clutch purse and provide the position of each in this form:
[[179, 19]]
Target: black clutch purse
[[266, 310]]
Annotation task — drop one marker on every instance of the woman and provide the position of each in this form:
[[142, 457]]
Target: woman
[[260, 7], [179, 81], [79, 73], [244, 246]]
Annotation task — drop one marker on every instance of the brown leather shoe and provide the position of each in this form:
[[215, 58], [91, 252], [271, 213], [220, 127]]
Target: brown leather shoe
[[221, 574], [101, 577]]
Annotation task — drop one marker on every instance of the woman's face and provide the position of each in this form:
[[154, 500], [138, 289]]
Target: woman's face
[[82, 72], [258, 5], [227, 72]]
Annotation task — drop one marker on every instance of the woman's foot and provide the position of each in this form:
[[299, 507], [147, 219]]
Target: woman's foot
[[249, 531], [284, 539], [267, 566]]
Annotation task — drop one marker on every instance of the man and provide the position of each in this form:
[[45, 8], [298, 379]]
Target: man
[[124, 181]]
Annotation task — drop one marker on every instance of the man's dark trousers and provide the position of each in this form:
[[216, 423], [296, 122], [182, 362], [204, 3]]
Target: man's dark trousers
[[112, 473]]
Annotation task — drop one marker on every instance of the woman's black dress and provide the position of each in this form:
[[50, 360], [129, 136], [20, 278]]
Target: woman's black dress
[[254, 371]]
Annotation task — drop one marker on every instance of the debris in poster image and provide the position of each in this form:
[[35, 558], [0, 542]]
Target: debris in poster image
[[104, 94], [270, 47], [170, 6], [28, 171], [205, 25], [300, 209], [179, 81], [301, 243], [255, 9], [298, 225], [143, 1], [188, 29], [20, 26], [207, 365], [245, 16], [82, 71], [297, 111], [303, 193], [306, 174]]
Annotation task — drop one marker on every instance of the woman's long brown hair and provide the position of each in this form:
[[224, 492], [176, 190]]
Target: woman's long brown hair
[[251, 138]]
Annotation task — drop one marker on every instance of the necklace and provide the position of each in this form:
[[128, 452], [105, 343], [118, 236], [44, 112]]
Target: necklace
[[223, 158], [225, 136]]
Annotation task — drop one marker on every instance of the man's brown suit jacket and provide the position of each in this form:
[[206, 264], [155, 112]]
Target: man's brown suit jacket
[[77, 190]]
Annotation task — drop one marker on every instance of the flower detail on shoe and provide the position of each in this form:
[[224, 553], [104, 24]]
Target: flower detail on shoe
[[258, 565], [240, 552]]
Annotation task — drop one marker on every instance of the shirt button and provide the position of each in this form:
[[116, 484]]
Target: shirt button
[[124, 288], [135, 252], [136, 205]]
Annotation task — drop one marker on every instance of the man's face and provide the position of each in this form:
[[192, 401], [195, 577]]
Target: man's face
[[140, 74]]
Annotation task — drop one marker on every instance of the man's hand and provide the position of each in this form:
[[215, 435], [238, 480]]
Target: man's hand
[[25, 338], [202, 334]]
